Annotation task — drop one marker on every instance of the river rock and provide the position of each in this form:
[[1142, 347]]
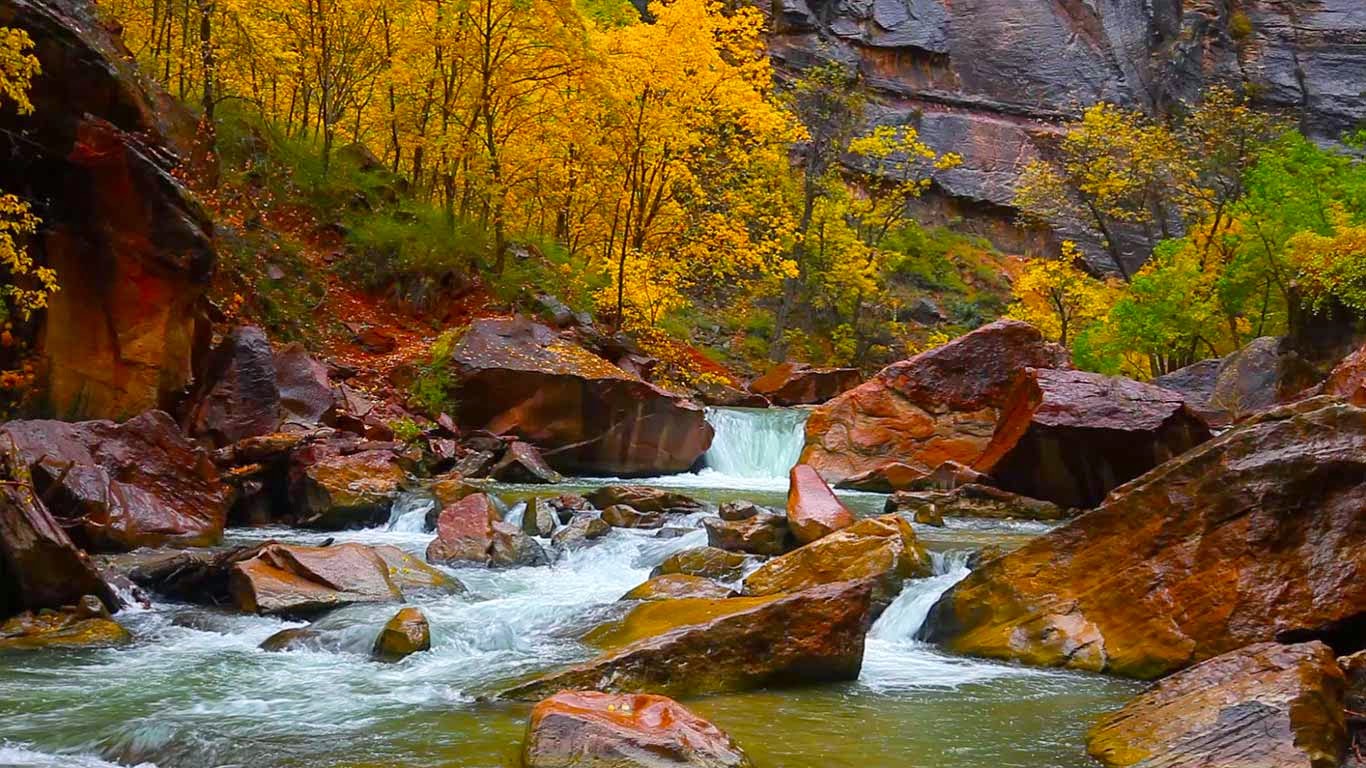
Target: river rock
[[123, 486], [511, 548], [84, 625], [241, 399], [471, 532], [295, 581], [579, 531], [700, 646], [734, 511], [890, 477], [881, 550], [522, 463], [973, 501], [937, 406], [622, 516], [812, 509], [587, 729], [789, 384], [707, 562], [1260, 706], [1255, 535], [589, 416], [676, 585], [40, 567], [405, 634], [412, 576], [643, 499], [336, 491], [761, 534], [538, 520]]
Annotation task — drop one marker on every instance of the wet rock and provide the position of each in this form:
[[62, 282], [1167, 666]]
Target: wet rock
[[304, 388], [450, 488], [579, 531], [948, 476], [938, 406], [590, 416], [762, 534], [84, 625], [471, 532], [538, 520], [566, 506], [707, 562], [122, 486], [973, 501], [1348, 379], [511, 548], [812, 509], [523, 464], [405, 634], [881, 550], [1255, 535], [242, 400], [724, 395], [412, 576], [1263, 705], [340, 491], [622, 516], [677, 585], [1069, 437], [789, 384], [1251, 380], [1195, 383], [297, 581], [890, 477], [741, 510], [643, 499], [587, 728], [40, 567], [699, 646]]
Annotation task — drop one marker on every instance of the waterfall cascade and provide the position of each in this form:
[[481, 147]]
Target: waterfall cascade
[[756, 443]]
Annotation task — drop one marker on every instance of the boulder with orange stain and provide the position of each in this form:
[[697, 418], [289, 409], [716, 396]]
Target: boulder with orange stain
[[812, 509], [584, 729], [941, 405], [790, 384], [288, 580]]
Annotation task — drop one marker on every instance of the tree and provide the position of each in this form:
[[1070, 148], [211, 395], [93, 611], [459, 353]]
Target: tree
[[26, 286], [1059, 297]]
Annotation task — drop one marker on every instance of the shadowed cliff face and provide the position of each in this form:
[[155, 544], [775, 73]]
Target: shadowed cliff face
[[992, 79]]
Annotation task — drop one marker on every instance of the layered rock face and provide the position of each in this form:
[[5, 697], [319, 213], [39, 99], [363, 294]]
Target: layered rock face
[[990, 79], [1253, 536], [132, 252], [938, 406], [587, 415]]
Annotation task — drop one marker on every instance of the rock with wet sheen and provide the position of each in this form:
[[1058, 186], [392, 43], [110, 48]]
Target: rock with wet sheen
[[405, 634], [340, 491], [84, 625], [297, 581], [813, 510], [40, 567], [676, 585], [522, 463], [707, 562], [973, 501], [622, 516], [764, 534], [888, 478], [580, 531], [643, 498], [789, 384]]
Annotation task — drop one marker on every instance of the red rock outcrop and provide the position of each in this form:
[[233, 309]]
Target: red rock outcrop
[[938, 406], [1069, 437], [588, 728], [587, 416], [1255, 535], [812, 509], [800, 384]]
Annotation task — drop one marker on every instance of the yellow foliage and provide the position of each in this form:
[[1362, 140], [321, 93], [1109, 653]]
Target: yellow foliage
[[1058, 297], [27, 286]]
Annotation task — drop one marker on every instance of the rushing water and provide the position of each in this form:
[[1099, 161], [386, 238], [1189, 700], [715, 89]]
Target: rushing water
[[195, 691], [755, 443]]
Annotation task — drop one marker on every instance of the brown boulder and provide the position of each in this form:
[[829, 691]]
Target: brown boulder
[[677, 585], [335, 491], [40, 567], [1069, 437], [881, 550], [1257, 534], [471, 532], [733, 511], [589, 416], [938, 406], [762, 534], [581, 529], [622, 516], [707, 562], [295, 581], [890, 477], [587, 728], [1348, 379], [405, 634], [412, 576], [84, 625], [973, 501], [700, 646], [538, 520], [799, 384], [812, 509], [642, 499], [240, 399], [1262, 706], [123, 486], [522, 463]]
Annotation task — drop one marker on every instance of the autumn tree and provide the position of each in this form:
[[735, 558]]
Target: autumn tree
[[1059, 297]]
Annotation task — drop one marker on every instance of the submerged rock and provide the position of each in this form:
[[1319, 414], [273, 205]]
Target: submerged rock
[[700, 646], [591, 729], [676, 585], [707, 562], [812, 509], [643, 498], [84, 625], [973, 501], [1255, 535], [1260, 706], [791, 384], [405, 634], [761, 534], [296, 581]]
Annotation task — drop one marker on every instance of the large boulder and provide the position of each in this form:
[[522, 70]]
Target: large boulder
[[889, 478], [938, 406], [761, 534], [799, 384], [1255, 535], [699, 646], [1195, 383], [123, 486], [588, 729], [472, 532], [1260, 706], [813, 510], [1260, 376], [133, 253], [1348, 379], [289, 580], [334, 491], [1069, 437], [40, 567], [883, 550], [587, 415]]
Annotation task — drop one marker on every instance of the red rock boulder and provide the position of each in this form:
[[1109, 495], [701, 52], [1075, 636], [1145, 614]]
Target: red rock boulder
[[812, 509], [471, 532], [40, 567], [1348, 379], [939, 406], [587, 416], [1069, 437], [800, 384], [298, 581], [588, 728]]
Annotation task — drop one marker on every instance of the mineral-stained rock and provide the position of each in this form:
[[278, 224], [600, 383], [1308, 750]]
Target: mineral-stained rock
[[1348, 379], [642, 499], [339, 491], [812, 509], [581, 529], [587, 415], [241, 399], [799, 384], [523, 464], [1069, 437], [288, 580], [890, 477], [590, 729], [882, 550], [707, 562], [676, 585], [405, 634], [973, 501], [123, 486], [1255, 535], [1260, 706], [622, 516], [937, 406], [40, 567], [84, 625], [699, 646], [762, 534]]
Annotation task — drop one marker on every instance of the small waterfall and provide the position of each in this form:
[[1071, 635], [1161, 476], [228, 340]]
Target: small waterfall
[[757, 443], [906, 615], [409, 513]]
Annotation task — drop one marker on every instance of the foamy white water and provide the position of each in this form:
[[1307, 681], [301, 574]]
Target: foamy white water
[[756, 443]]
